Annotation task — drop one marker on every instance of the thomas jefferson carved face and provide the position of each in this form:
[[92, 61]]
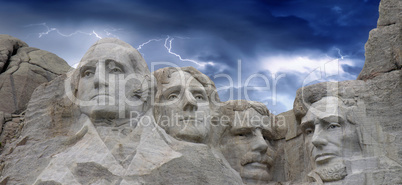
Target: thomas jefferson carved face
[[329, 136], [247, 146], [183, 109], [108, 81]]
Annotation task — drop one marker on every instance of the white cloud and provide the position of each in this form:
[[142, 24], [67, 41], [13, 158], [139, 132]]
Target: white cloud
[[304, 64]]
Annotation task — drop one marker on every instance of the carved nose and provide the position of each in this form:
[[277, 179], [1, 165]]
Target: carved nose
[[189, 102], [100, 77], [319, 139], [259, 144]]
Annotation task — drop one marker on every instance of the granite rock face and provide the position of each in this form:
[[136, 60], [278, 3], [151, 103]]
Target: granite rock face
[[368, 113], [9, 46], [171, 128], [372, 109], [23, 69], [384, 46], [67, 142]]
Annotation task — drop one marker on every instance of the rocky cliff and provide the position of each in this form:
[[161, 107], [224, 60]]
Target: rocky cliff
[[347, 132], [22, 69]]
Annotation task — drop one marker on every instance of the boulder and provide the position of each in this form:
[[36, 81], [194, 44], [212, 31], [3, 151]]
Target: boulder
[[23, 69], [8, 47], [390, 12]]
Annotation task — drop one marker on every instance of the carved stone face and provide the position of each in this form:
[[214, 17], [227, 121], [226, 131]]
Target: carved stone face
[[328, 134], [247, 146], [183, 109], [104, 83]]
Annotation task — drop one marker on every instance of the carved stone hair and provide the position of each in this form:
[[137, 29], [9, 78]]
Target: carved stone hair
[[306, 96], [242, 105], [137, 62], [230, 107], [163, 75]]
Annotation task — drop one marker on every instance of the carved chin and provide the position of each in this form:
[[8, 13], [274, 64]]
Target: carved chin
[[332, 173], [255, 177], [103, 112]]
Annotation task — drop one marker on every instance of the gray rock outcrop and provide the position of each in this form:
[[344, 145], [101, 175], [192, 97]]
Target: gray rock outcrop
[[384, 46], [23, 69], [347, 132], [377, 116], [373, 105], [60, 144]]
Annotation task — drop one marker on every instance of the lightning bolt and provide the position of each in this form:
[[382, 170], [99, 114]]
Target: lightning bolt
[[147, 42], [168, 45], [169, 49], [340, 54], [93, 33]]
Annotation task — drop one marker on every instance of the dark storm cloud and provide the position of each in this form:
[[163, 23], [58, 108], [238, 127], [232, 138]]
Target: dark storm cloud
[[220, 32], [355, 70], [249, 25]]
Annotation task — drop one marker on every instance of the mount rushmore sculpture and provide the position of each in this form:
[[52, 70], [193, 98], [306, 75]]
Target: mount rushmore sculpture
[[112, 121]]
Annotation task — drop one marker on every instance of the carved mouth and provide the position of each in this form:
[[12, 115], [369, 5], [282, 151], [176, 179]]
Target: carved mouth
[[264, 163], [324, 157], [258, 165]]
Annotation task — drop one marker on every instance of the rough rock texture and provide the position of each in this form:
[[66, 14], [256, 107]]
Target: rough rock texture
[[59, 145], [293, 155], [377, 113], [384, 46], [47, 125], [376, 107], [23, 69], [8, 47], [390, 12]]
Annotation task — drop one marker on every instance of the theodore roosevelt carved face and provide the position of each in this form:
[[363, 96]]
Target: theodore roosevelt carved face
[[247, 142]]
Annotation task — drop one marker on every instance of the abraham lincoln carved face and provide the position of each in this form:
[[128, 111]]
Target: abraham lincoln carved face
[[330, 137]]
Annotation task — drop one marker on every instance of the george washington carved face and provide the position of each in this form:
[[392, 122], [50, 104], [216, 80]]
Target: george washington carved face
[[111, 79]]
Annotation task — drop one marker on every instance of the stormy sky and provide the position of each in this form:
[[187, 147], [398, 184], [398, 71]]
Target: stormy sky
[[261, 50]]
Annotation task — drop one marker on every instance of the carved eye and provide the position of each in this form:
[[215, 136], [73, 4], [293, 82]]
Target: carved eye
[[199, 97], [243, 134], [333, 125], [116, 70], [88, 73], [172, 97], [308, 131]]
